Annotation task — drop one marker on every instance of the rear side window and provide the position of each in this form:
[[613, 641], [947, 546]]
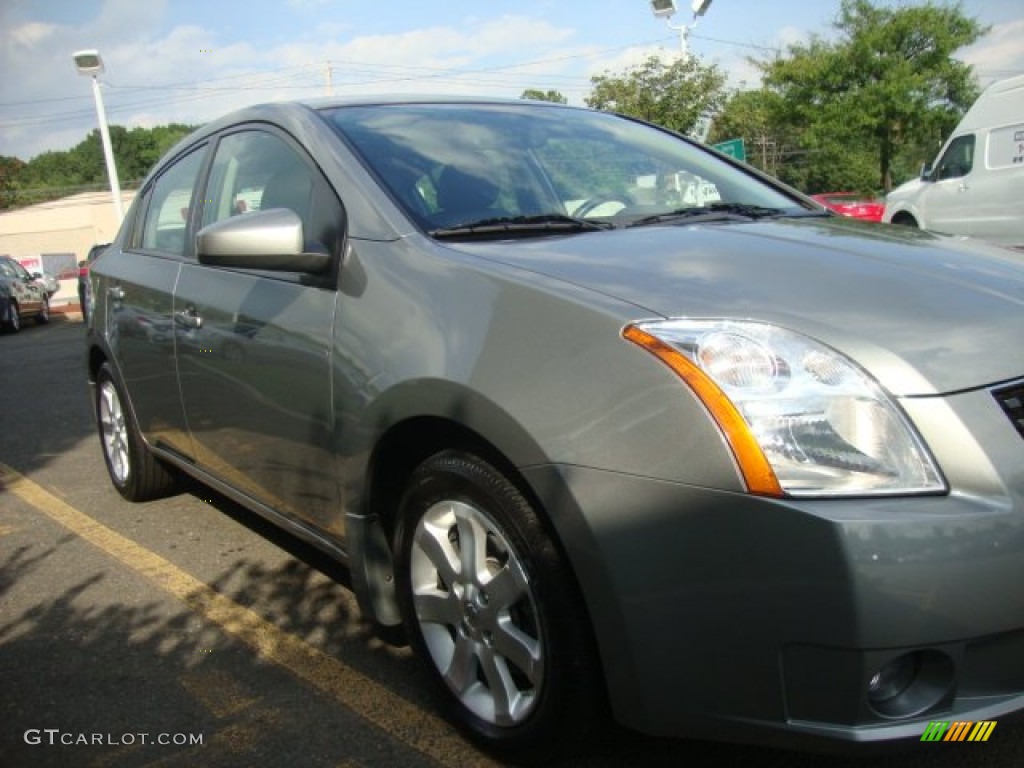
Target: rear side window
[[170, 203], [1006, 146]]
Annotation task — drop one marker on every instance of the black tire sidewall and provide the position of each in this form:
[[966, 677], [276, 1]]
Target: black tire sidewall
[[572, 695]]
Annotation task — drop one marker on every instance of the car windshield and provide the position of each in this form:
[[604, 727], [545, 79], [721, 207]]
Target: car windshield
[[498, 169]]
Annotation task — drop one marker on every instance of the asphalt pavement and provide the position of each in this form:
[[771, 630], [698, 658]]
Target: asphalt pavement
[[187, 632]]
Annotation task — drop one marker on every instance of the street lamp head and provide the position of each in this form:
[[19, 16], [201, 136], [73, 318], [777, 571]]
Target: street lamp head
[[663, 9], [88, 62], [700, 7]]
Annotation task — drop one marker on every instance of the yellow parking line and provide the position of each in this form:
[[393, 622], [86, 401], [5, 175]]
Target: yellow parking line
[[421, 730]]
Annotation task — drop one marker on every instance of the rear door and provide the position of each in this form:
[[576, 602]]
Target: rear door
[[134, 288], [254, 347]]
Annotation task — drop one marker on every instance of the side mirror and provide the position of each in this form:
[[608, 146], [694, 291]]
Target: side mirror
[[271, 239], [926, 172]]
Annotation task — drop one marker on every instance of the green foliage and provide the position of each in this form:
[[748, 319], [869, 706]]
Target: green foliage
[[871, 105], [674, 94], [537, 95], [55, 174]]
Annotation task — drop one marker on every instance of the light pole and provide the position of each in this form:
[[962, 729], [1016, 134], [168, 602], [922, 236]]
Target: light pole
[[665, 9], [90, 64]]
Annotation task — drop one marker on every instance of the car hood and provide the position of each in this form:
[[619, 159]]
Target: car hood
[[903, 191], [924, 313]]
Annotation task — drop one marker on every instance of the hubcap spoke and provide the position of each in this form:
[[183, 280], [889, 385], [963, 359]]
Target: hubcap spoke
[[507, 587], [461, 672], [432, 540], [504, 692], [472, 545], [438, 608], [520, 649]]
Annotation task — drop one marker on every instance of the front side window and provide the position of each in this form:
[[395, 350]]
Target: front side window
[[255, 170], [170, 204], [957, 160]]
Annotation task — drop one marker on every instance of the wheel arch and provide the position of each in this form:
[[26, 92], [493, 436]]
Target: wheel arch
[[449, 418], [905, 218]]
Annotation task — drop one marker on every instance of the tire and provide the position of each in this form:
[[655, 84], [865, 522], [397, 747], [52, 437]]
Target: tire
[[44, 313], [13, 320], [502, 631], [135, 472]]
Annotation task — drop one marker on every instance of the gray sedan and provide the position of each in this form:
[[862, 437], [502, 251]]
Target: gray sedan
[[611, 424]]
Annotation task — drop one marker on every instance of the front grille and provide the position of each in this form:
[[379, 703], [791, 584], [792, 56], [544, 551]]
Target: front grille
[[1012, 401]]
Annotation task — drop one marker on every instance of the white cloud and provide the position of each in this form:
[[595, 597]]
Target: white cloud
[[31, 34], [999, 54]]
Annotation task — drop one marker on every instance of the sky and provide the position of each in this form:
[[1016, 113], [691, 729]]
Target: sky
[[190, 61]]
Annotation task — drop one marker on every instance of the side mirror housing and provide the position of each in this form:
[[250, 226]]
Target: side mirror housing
[[271, 240]]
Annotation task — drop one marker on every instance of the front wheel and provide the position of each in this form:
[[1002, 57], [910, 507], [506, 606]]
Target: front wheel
[[494, 611], [135, 472]]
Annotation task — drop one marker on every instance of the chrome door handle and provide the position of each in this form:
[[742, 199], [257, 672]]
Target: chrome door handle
[[188, 318]]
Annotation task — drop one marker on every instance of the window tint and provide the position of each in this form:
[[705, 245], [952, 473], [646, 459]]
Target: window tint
[[170, 201], [256, 171], [957, 160]]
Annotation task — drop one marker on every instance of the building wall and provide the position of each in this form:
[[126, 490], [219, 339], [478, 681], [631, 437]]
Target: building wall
[[69, 225]]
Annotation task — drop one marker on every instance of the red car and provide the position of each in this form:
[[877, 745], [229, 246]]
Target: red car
[[852, 204]]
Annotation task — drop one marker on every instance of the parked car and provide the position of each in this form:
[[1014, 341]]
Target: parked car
[[84, 294], [975, 187], [21, 296], [852, 204], [740, 469]]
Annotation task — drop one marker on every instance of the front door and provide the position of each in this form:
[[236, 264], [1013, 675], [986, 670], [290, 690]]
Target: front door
[[948, 200], [254, 348]]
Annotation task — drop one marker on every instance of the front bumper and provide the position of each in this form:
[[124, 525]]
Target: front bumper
[[722, 615]]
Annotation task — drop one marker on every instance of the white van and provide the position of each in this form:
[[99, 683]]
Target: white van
[[976, 186]]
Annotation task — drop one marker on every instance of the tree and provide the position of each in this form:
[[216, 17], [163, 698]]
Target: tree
[[751, 116], [538, 95], [674, 94], [888, 82], [54, 174], [10, 169]]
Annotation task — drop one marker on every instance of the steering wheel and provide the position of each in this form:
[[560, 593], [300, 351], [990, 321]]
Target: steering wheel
[[592, 203]]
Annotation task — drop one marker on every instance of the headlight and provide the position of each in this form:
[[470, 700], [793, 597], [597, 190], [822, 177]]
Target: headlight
[[800, 417]]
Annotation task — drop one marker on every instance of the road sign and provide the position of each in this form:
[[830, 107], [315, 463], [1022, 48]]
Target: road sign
[[733, 148]]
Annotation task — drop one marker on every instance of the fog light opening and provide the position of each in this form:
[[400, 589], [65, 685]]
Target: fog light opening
[[894, 678], [910, 684]]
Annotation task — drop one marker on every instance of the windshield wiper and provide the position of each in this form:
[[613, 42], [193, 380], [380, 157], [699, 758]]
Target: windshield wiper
[[714, 212], [543, 224]]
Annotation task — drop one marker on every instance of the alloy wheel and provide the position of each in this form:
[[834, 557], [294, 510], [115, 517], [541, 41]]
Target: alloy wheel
[[476, 612]]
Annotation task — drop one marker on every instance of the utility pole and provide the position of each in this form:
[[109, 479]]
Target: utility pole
[[329, 73]]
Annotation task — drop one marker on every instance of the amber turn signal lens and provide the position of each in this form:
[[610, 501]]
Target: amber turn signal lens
[[757, 472]]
